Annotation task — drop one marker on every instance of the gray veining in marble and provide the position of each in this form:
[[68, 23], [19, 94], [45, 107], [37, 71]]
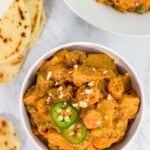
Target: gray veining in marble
[[63, 26]]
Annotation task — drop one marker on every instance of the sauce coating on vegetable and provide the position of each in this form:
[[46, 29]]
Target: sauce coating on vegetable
[[138, 6]]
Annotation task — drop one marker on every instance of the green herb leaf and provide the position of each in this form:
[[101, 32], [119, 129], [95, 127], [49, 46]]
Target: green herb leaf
[[29, 109], [140, 9]]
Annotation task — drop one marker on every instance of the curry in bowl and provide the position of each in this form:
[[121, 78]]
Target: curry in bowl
[[138, 6], [80, 101]]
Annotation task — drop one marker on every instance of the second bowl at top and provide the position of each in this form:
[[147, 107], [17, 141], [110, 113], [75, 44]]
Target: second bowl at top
[[111, 20]]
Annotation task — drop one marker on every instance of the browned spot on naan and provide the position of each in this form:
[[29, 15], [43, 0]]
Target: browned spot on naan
[[14, 148], [14, 52], [2, 132], [26, 26], [1, 37], [23, 34], [6, 143], [41, 19], [1, 75], [18, 61], [5, 40], [35, 20], [4, 123], [21, 14]]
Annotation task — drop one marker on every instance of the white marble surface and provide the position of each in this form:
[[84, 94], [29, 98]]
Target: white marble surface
[[63, 26]]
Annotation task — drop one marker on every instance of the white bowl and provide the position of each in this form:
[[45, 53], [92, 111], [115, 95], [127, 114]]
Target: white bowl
[[87, 47], [109, 19]]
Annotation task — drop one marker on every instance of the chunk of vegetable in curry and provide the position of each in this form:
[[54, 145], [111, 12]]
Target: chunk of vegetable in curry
[[92, 85]]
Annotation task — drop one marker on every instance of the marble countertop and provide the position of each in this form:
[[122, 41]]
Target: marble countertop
[[63, 26]]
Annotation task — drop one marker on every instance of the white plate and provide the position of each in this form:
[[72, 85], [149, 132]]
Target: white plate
[[109, 19]]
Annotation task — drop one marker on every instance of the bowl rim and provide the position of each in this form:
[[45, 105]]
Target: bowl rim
[[106, 49]]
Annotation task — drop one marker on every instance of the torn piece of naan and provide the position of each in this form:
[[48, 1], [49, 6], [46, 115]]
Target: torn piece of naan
[[8, 138]]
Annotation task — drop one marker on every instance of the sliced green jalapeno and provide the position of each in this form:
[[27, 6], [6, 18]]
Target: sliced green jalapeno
[[63, 114], [140, 9], [75, 134]]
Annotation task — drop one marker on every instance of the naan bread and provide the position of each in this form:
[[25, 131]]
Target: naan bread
[[15, 31], [9, 69], [39, 31], [8, 139], [34, 8], [15, 35], [20, 28]]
